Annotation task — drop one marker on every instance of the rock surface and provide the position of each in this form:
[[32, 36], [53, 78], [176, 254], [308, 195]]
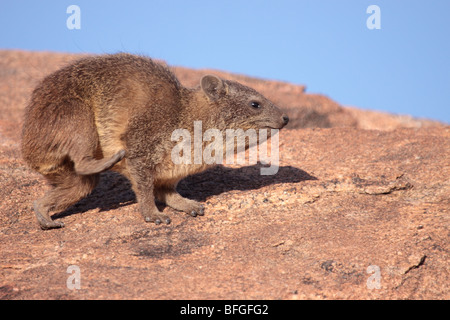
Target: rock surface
[[351, 214]]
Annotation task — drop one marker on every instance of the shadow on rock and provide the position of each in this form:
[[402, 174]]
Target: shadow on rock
[[223, 179], [114, 190]]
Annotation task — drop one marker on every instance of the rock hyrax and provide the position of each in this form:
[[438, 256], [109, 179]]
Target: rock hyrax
[[118, 112]]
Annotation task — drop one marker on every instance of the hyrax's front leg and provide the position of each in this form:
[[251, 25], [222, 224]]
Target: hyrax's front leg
[[143, 186], [174, 200]]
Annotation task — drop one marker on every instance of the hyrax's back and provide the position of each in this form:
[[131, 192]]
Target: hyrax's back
[[81, 110], [77, 116]]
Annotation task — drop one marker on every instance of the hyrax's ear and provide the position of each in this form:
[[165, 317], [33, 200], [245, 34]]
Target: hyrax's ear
[[213, 86]]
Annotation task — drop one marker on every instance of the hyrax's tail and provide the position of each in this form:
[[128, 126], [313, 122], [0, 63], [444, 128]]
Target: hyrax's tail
[[89, 165]]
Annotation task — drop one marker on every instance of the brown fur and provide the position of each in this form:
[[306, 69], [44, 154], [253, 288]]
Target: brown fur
[[118, 112]]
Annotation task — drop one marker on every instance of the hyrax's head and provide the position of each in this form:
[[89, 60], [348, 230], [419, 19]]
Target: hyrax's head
[[240, 106]]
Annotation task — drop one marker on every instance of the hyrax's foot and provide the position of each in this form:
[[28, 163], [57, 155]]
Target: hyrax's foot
[[197, 210], [43, 218], [157, 218], [174, 200], [189, 206]]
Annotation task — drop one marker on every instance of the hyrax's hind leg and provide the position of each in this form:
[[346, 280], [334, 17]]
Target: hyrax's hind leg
[[78, 174], [67, 188], [75, 172]]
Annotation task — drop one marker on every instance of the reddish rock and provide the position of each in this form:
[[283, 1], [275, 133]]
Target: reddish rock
[[349, 210]]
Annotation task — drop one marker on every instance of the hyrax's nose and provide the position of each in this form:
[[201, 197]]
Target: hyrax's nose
[[285, 119]]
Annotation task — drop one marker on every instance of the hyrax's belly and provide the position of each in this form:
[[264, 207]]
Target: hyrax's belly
[[169, 174]]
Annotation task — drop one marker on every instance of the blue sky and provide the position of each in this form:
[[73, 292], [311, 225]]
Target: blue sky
[[404, 67]]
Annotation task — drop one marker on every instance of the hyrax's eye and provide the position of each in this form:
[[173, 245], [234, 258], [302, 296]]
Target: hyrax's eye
[[255, 104]]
